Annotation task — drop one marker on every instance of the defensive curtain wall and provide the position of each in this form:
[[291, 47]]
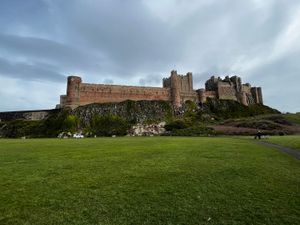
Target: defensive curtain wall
[[177, 89], [79, 93]]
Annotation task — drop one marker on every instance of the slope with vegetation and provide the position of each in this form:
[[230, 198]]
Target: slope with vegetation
[[293, 117], [211, 118], [273, 124]]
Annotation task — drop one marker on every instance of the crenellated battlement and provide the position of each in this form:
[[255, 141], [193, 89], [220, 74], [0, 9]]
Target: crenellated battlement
[[176, 89]]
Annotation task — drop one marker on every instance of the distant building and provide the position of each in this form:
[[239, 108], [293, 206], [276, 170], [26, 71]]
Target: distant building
[[176, 89]]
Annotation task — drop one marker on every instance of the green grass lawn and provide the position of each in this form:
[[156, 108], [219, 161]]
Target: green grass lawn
[[154, 180], [288, 141]]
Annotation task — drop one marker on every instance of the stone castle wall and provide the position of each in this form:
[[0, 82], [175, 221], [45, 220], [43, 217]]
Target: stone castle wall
[[226, 91], [231, 88], [90, 93], [181, 88], [176, 89], [79, 93]]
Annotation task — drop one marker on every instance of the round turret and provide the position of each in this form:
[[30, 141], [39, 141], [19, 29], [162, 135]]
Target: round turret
[[175, 89], [73, 91]]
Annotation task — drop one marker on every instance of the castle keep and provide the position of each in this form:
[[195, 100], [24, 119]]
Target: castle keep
[[176, 89]]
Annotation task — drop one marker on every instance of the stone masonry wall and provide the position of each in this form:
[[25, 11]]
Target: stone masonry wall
[[100, 93], [181, 88], [176, 89], [225, 91], [79, 93], [231, 88]]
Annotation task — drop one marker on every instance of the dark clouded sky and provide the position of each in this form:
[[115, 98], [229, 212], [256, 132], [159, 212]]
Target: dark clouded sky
[[138, 42]]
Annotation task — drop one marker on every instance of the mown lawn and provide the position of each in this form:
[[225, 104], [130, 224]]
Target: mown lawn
[[154, 180], [292, 141]]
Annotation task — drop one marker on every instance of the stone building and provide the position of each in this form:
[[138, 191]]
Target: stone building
[[176, 89], [231, 88]]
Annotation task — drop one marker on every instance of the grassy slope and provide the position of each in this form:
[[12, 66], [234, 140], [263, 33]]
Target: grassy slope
[[293, 117], [159, 180], [270, 124], [288, 141]]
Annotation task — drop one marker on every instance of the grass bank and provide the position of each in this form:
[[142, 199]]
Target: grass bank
[[291, 141]]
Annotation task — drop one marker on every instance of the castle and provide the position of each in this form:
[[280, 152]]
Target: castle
[[177, 89]]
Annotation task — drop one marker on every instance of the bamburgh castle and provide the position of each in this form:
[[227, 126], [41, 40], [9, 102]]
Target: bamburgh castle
[[177, 89]]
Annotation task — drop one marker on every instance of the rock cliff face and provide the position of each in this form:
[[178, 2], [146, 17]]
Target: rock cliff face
[[27, 115], [147, 129], [135, 111]]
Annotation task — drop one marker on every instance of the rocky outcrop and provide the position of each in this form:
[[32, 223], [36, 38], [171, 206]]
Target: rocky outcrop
[[133, 111], [27, 115], [147, 129]]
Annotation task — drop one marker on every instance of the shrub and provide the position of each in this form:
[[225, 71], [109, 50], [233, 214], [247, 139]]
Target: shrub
[[260, 124], [109, 125], [54, 125], [21, 128], [193, 131], [176, 124], [70, 123], [187, 127]]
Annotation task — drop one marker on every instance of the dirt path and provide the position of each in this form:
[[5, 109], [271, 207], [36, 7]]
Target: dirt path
[[290, 151]]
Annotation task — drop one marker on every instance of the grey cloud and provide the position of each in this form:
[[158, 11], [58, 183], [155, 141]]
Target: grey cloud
[[224, 31], [108, 81], [280, 82], [28, 71], [152, 79], [132, 38], [44, 50], [27, 95], [16, 13], [110, 41]]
